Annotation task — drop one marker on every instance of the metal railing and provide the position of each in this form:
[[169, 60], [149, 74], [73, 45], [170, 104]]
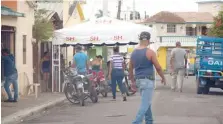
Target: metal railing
[[169, 41]]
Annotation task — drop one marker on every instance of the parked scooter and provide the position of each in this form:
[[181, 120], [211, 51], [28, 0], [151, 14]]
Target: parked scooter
[[78, 88]]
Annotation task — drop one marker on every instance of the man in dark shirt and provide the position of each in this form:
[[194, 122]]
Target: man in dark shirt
[[11, 75], [142, 61]]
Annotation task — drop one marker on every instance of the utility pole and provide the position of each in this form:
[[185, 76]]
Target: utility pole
[[105, 7], [134, 14], [119, 9]]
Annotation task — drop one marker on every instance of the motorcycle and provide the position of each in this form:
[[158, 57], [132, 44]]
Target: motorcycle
[[100, 83], [127, 84], [78, 88]]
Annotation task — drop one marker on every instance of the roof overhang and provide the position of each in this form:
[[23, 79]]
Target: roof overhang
[[210, 1], [31, 4], [9, 12], [199, 22]]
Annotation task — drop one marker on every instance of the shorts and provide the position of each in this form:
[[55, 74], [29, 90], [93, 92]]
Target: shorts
[[46, 70]]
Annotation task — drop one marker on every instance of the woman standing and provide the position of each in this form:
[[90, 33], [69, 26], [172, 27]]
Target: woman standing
[[45, 70], [96, 64], [116, 73]]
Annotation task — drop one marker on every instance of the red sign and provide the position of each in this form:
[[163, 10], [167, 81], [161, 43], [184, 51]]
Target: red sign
[[103, 21], [94, 38], [70, 39], [117, 38]]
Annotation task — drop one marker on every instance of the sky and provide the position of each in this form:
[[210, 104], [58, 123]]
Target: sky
[[150, 6]]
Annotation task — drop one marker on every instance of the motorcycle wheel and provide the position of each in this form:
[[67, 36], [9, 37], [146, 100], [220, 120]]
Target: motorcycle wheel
[[105, 91], [82, 103], [93, 95], [68, 90]]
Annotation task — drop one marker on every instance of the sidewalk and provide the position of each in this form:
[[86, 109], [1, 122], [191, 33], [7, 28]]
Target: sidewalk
[[11, 112]]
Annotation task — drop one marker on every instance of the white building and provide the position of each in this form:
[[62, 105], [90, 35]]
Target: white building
[[169, 27], [17, 20]]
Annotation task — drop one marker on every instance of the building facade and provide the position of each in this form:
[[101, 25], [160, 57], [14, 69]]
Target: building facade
[[17, 20], [72, 15], [170, 27]]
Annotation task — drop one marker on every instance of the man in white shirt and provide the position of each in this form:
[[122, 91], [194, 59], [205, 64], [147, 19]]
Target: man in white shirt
[[178, 63]]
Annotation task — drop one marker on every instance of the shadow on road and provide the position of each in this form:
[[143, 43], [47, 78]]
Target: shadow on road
[[216, 93]]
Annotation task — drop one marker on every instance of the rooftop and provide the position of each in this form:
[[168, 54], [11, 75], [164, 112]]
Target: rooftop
[[52, 6], [209, 1], [165, 17], [203, 17], [180, 17]]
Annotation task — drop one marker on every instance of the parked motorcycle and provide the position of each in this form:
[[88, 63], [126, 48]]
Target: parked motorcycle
[[78, 88], [100, 83], [127, 84]]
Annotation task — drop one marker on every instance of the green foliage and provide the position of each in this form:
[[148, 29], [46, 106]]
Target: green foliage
[[217, 27], [43, 27], [99, 14]]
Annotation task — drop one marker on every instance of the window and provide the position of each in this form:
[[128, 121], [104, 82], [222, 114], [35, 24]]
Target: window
[[24, 49], [171, 28], [191, 31]]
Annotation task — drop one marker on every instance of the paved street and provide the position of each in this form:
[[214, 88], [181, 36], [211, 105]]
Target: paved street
[[168, 107]]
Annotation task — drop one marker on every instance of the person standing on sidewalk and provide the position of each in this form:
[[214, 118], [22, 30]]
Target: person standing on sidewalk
[[142, 61], [45, 70], [116, 73], [11, 75], [178, 64], [80, 61]]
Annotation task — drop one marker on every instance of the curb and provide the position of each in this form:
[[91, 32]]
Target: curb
[[18, 116]]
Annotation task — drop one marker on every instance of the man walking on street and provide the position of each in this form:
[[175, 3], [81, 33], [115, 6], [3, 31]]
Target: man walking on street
[[80, 61], [178, 63], [142, 61], [11, 75]]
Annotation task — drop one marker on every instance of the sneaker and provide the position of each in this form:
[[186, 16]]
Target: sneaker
[[124, 98], [114, 98], [9, 100]]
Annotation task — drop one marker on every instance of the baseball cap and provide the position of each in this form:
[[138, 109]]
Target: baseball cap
[[144, 36]]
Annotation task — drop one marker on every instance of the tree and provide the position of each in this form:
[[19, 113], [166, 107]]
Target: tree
[[217, 27], [42, 31], [99, 14]]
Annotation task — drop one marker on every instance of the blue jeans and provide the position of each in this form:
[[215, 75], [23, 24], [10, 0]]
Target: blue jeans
[[146, 87], [117, 76], [8, 80]]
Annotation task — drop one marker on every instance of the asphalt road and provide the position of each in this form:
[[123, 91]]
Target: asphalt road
[[168, 108]]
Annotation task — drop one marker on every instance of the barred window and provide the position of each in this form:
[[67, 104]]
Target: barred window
[[171, 28]]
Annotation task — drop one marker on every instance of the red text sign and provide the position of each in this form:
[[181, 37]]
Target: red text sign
[[103, 21], [94, 38], [117, 38], [70, 39]]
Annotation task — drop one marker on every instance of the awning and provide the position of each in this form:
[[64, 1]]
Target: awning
[[9, 12]]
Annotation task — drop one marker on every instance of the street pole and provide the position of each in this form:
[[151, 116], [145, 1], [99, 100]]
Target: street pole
[[133, 15], [105, 7]]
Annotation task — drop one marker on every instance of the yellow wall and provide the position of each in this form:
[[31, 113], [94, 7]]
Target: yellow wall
[[161, 56], [68, 21]]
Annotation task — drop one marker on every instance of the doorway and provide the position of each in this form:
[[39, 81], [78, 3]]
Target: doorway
[[8, 42]]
